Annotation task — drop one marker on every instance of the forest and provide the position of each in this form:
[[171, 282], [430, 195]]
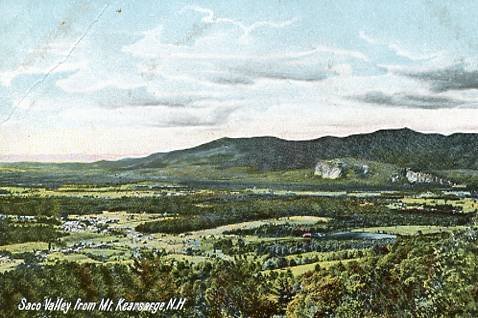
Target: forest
[[240, 253], [423, 276]]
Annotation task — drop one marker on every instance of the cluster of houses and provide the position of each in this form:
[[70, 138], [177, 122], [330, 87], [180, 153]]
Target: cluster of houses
[[136, 236], [90, 223], [76, 248]]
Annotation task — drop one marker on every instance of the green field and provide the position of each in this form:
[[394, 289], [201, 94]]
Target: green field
[[302, 269], [277, 232], [409, 229], [25, 247], [9, 265]]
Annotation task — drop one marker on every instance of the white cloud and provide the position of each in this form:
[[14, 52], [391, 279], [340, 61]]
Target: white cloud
[[205, 63], [398, 49], [367, 38], [209, 17], [130, 91]]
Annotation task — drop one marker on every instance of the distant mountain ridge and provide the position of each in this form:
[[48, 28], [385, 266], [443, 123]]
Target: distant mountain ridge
[[402, 147]]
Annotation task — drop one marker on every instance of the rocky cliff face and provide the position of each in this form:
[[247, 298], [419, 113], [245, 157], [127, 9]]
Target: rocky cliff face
[[334, 169], [422, 177], [329, 169]]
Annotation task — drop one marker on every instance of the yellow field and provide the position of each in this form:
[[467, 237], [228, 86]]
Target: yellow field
[[302, 269], [466, 204], [97, 192], [25, 247], [408, 229], [11, 264], [77, 258], [123, 218]]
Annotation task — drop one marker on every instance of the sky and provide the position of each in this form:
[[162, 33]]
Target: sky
[[90, 80]]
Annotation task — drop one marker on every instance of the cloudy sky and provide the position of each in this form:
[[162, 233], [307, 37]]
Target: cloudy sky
[[87, 80]]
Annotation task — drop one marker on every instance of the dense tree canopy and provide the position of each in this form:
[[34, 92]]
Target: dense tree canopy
[[422, 276]]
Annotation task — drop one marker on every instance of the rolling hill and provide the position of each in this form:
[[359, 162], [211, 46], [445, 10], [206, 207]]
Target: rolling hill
[[269, 158], [402, 147]]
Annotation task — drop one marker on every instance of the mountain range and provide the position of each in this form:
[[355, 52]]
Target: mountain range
[[402, 147], [387, 152]]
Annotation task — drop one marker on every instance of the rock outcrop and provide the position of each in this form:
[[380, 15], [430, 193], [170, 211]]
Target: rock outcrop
[[334, 169], [422, 177], [417, 177], [330, 169]]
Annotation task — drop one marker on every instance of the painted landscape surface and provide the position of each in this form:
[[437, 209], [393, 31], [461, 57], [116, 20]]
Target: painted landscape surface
[[257, 227], [238, 160]]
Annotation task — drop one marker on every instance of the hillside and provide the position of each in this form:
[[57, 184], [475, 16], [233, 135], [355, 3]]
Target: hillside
[[273, 160], [402, 147]]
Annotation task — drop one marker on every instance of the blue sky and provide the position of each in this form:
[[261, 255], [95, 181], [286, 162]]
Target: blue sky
[[86, 80]]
